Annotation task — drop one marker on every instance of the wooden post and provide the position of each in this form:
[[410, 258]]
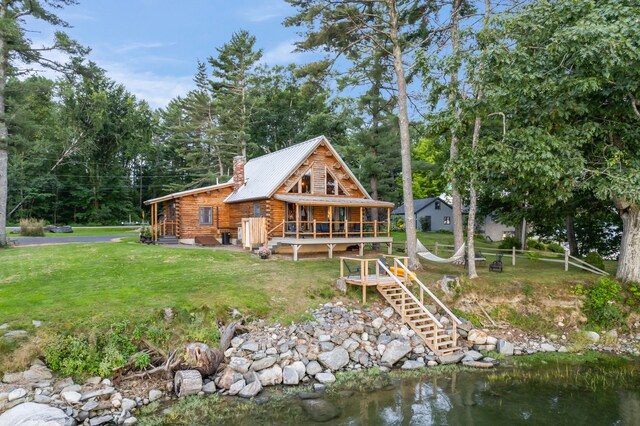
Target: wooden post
[[421, 295], [331, 247], [566, 260], [314, 229], [375, 228], [388, 223], [341, 267], [377, 272], [346, 228], [361, 222], [513, 256], [364, 293], [284, 227], [361, 249], [330, 214], [297, 222], [390, 248], [455, 331], [296, 247], [435, 250]]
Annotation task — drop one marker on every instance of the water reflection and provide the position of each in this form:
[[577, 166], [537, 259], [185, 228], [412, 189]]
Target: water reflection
[[471, 399]]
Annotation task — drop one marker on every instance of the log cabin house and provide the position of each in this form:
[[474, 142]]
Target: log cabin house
[[303, 198]]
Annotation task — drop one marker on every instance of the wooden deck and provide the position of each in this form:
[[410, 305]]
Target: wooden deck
[[331, 243]]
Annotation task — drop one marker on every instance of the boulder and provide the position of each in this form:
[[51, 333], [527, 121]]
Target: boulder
[[592, 336], [263, 363], [12, 377], [97, 392], [300, 368], [335, 359], [478, 364], [16, 394], [30, 413], [319, 410], [250, 347], [505, 348], [154, 394], [71, 397], [37, 374], [270, 376], [465, 325], [325, 378], [313, 368], [547, 347], [235, 388], [228, 378], [394, 351], [211, 387], [411, 365], [377, 323], [477, 337], [492, 340], [97, 421], [241, 365], [128, 404], [290, 376], [251, 390], [473, 355], [451, 359], [15, 333]]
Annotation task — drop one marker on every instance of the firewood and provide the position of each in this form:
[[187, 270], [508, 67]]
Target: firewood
[[187, 382]]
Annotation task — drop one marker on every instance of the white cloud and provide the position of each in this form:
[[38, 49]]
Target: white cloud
[[128, 47], [265, 12], [283, 53]]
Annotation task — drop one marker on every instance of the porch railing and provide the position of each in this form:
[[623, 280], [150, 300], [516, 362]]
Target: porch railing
[[166, 228], [331, 229]]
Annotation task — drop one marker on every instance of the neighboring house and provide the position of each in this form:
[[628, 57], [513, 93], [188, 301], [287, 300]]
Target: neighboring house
[[301, 198], [435, 213]]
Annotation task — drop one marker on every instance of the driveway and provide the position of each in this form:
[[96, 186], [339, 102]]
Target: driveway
[[38, 241]]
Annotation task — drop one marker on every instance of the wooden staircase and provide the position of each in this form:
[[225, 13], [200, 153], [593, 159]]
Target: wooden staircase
[[413, 312]]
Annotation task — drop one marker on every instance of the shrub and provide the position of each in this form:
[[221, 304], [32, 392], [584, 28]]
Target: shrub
[[509, 242], [398, 225], [600, 303], [535, 244], [31, 228], [425, 223], [594, 259], [555, 248]]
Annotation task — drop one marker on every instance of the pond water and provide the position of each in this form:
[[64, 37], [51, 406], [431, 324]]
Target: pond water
[[560, 394]]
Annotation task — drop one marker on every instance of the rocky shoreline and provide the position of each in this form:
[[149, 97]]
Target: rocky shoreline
[[340, 338]]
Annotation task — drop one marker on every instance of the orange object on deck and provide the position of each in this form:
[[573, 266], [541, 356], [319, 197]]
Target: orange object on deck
[[399, 272]]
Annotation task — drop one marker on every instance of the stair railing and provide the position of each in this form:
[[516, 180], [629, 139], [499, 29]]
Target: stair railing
[[412, 296], [423, 288]]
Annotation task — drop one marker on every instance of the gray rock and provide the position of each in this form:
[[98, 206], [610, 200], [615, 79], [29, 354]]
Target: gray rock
[[290, 376], [37, 374], [16, 394], [547, 347], [270, 376], [12, 377], [319, 410], [263, 363], [90, 406], [492, 340], [478, 364], [3, 326], [154, 394], [71, 388], [474, 355], [324, 338], [97, 392], [300, 368], [477, 337], [466, 326], [612, 334], [94, 381], [235, 388], [97, 421], [394, 351], [211, 387], [36, 323], [411, 365], [350, 345], [562, 349], [326, 346], [450, 359], [15, 333], [130, 421], [325, 378], [592, 336], [505, 348], [377, 323], [128, 404], [313, 368], [250, 347], [388, 312], [42, 399], [251, 390], [236, 341], [32, 414], [71, 397], [335, 359], [241, 365]]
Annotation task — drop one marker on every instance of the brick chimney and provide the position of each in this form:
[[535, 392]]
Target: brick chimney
[[238, 172]]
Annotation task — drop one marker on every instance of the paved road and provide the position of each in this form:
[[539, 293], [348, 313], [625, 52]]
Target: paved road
[[32, 241]]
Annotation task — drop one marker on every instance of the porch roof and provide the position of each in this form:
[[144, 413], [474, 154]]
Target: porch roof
[[313, 200]]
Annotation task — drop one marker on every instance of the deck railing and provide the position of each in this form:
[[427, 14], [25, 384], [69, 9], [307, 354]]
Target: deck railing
[[332, 229], [166, 228]]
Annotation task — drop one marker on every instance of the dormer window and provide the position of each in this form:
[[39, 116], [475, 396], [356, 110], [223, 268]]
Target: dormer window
[[437, 206]]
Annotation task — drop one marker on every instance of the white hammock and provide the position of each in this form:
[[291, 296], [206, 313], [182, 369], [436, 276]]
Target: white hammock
[[426, 254]]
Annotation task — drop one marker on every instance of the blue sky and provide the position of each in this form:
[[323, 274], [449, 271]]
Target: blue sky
[[152, 46]]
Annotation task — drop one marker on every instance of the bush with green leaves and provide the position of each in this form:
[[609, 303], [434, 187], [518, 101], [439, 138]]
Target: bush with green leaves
[[600, 303], [555, 248], [535, 244], [594, 259], [509, 242], [398, 225]]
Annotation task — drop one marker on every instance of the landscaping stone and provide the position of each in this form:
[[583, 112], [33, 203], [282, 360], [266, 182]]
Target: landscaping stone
[[388, 312], [98, 392], [128, 404], [477, 337], [130, 421], [325, 378], [270, 376], [235, 388], [450, 359], [250, 346], [228, 378], [93, 381], [37, 374], [30, 413], [592, 336], [473, 355], [71, 388], [16, 394], [154, 394], [411, 365], [12, 377], [394, 351], [335, 359], [15, 333], [241, 365], [313, 368], [300, 369], [377, 323], [290, 376], [211, 388], [97, 421], [547, 347], [71, 397], [505, 348], [251, 390], [263, 363]]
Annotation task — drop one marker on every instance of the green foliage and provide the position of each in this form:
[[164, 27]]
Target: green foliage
[[509, 242], [600, 303], [141, 360], [535, 244], [555, 248], [425, 223], [397, 225], [594, 258], [31, 228]]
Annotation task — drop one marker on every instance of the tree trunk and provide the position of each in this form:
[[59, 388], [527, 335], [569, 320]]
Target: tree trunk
[[629, 259], [473, 204], [4, 135], [405, 140], [374, 211], [187, 382], [571, 237]]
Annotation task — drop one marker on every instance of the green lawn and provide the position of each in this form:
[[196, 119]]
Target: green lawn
[[90, 232]]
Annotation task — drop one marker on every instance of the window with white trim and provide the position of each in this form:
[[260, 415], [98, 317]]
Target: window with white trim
[[205, 216]]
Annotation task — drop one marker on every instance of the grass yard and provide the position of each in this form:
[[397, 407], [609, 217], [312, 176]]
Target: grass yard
[[91, 232]]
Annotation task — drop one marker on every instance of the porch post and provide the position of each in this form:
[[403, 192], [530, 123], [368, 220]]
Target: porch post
[[361, 245], [296, 247], [388, 222], [361, 222], [331, 247], [330, 214], [297, 223]]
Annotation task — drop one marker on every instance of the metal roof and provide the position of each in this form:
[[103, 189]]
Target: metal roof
[[420, 204], [310, 200], [188, 192]]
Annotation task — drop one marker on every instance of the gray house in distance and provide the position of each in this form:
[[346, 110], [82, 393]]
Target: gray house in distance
[[432, 214], [435, 214]]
